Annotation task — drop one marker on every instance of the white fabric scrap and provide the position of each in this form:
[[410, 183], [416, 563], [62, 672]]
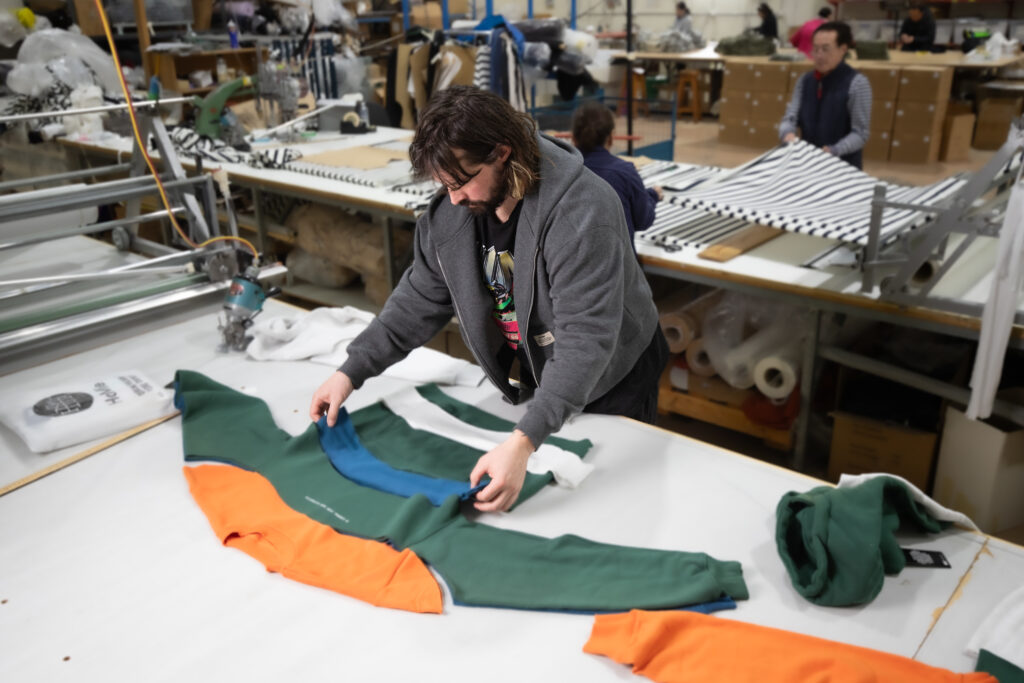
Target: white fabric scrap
[[943, 514], [323, 335], [1002, 632], [567, 468]]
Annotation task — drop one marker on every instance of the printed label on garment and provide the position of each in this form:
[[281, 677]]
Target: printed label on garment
[[328, 508], [925, 558], [546, 339]]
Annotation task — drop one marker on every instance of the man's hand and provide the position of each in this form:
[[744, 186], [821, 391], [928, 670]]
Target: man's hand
[[906, 39], [506, 466], [790, 137], [827, 149], [658, 191], [329, 397]]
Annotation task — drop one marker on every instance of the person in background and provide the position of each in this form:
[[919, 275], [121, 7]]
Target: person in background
[[592, 128], [917, 34], [683, 24], [769, 27], [802, 39], [528, 249], [832, 104]]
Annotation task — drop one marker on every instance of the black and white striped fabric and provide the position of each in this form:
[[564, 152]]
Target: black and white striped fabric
[[676, 177], [676, 227], [190, 143], [482, 68], [800, 188]]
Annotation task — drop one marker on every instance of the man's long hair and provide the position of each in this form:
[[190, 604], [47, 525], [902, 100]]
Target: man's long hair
[[475, 122]]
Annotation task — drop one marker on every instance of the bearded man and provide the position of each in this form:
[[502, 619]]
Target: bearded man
[[530, 251]]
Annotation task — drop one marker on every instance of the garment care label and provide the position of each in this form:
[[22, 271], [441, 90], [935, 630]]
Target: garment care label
[[545, 339], [925, 558]]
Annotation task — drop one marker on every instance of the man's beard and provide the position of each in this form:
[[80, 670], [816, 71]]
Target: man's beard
[[499, 191]]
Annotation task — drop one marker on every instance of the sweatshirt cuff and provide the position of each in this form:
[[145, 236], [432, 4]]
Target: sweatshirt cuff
[[612, 636], [356, 371], [534, 427]]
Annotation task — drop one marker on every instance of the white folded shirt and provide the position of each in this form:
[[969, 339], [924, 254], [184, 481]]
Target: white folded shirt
[[323, 335], [80, 410]]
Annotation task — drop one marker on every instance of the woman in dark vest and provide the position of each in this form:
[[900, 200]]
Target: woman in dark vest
[[831, 105]]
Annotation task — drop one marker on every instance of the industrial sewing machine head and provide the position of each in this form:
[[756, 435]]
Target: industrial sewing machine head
[[243, 302]]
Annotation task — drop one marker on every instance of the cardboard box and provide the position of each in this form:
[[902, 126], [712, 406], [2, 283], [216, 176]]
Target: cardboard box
[[795, 72], [910, 147], [994, 118], [763, 135], [768, 107], [883, 113], [861, 444], [738, 76], [734, 107], [884, 80], [771, 78], [734, 133], [877, 146], [918, 117], [956, 137], [925, 84], [980, 471]]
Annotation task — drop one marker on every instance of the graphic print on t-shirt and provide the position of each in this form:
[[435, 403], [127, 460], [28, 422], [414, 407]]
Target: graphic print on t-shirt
[[498, 269]]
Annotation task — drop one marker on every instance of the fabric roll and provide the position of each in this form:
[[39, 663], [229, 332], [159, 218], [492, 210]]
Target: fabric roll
[[698, 360], [680, 329], [777, 375], [736, 366]]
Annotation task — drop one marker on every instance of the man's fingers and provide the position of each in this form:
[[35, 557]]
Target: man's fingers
[[315, 409], [332, 412], [479, 470]]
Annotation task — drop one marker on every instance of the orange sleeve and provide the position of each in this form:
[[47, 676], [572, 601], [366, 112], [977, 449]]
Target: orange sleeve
[[246, 513], [672, 647]]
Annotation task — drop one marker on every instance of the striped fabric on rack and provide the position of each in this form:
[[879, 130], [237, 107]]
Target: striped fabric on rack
[[317, 63], [676, 227], [800, 188], [482, 68]]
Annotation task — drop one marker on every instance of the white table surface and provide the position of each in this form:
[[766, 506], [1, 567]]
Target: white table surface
[[110, 564]]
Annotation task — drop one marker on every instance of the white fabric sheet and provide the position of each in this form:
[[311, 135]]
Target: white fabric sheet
[[323, 335]]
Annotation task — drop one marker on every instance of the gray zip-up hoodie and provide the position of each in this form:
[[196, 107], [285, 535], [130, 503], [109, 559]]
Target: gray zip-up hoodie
[[584, 309]]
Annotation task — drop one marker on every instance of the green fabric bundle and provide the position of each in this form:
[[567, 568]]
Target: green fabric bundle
[[838, 544]]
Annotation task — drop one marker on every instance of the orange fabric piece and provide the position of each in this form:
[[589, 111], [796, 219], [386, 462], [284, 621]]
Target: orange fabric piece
[[673, 647], [246, 513]]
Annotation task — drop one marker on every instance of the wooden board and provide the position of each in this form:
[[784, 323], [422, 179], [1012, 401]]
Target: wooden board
[[740, 242], [363, 157]]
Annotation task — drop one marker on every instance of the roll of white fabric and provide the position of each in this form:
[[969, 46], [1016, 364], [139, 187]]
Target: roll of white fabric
[[698, 360], [736, 366], [776, 375]]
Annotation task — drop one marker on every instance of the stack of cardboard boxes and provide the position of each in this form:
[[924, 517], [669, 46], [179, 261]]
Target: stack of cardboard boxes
[[995, 114], [885, 86], [907, 113], [920, 114], [754, 98]]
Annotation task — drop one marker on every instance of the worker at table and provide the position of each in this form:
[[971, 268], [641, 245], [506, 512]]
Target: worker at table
[[917, 34], [683, 22], [529, 250], [592, 128], [831, 105]]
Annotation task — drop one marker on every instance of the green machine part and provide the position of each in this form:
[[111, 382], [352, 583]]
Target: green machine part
[[208, 109]]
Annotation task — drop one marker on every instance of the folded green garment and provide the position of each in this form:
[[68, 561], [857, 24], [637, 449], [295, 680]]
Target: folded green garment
[[837, 544]]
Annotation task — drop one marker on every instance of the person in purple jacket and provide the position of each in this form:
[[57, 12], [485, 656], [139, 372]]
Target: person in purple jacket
[[592, 127]]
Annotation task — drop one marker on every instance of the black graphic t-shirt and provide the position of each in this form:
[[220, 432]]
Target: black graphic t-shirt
[[497, 244]]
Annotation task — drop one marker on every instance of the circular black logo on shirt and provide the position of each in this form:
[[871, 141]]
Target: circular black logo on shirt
[[63, 404]]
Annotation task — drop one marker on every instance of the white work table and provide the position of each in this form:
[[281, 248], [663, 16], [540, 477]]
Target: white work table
[[111, 572]]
